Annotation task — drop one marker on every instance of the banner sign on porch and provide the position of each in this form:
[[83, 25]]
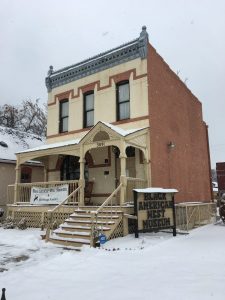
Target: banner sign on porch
[[52, 195], [155, 210]]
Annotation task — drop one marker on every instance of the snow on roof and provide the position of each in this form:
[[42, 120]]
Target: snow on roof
[[54, 145], [13, 141], [121, 131], [117, 129], [156, 190]]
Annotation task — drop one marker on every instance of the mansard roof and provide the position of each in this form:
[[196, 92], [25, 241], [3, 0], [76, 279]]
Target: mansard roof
[[123, 53]]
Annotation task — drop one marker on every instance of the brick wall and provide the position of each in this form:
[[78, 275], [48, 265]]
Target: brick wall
[[175, 115]]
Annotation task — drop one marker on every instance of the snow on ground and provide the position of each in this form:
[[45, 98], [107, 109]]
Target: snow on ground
[[155, 266]]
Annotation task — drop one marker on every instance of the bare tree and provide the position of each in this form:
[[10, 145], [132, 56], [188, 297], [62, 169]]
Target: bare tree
[[29, 116], [8, 116]]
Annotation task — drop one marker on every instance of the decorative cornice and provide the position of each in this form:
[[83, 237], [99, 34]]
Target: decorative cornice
[[126, 52], [71, 94]]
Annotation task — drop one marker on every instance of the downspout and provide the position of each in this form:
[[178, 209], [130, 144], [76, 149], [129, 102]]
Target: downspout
[[209, 161]]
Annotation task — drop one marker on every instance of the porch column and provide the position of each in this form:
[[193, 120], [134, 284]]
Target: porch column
[[123, 180], [82, 180], [45, 173], [18, 179], [146, 172]]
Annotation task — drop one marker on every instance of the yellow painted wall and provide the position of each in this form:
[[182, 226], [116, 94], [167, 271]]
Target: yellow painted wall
[[105, 100], [102, 183]]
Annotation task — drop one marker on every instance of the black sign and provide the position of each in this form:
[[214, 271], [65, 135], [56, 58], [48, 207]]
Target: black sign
[[154, 211]]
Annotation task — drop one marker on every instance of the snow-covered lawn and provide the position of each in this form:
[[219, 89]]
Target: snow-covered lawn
[[155, 266]]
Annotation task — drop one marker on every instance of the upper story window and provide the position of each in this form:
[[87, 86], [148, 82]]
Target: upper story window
[[88, 109], [63, 115], [123, 100]]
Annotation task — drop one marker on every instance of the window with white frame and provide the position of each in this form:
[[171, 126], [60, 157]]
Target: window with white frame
[[88, 109], [123, 100], [63, 115]]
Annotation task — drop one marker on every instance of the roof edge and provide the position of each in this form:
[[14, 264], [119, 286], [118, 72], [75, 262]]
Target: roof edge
[[136, 48]]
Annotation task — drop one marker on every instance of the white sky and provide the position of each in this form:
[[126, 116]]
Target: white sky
[[188, 34]]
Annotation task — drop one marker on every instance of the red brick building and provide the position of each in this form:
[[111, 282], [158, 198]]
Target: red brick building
[[175, 115]]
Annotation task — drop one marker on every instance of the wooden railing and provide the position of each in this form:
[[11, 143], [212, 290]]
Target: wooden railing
[[133, 183], [94, 214], [55, 214], [21, 191], [194, 214]]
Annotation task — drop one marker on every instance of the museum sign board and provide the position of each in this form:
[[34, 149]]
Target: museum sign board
[[154, 209]]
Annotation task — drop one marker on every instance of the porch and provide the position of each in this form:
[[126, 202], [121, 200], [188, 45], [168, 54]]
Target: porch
[[99, 170], [70, 223], [98, 163]]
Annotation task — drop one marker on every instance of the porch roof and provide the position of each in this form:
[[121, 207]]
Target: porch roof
[[116, 129], [51, 146], [121, 131], [13, 141]]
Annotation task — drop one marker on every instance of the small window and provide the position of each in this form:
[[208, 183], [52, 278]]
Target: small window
[[26, 173], [89, 109], [123, 100], [63, 115]]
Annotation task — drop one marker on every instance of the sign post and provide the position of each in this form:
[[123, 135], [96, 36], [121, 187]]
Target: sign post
[[155, 210]]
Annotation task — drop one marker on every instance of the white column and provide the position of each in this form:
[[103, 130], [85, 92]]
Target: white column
[[123, 180], [46, 172], [81, 180], [18, 178]]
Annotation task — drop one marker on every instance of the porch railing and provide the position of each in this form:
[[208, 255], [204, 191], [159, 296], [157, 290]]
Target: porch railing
[[94, 215], [20, 193], [133, 183], [194, 214], [55, 214]]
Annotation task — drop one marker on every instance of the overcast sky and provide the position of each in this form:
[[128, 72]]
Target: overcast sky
[[189, 35]]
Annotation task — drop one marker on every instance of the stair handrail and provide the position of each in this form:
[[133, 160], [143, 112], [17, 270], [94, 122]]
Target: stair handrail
[[51, 211], [109, 198], [94, 214]]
